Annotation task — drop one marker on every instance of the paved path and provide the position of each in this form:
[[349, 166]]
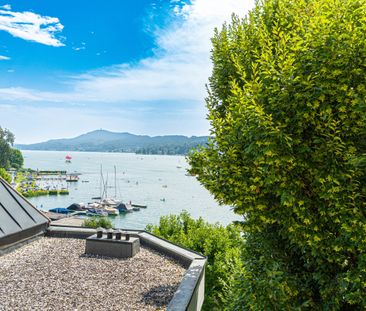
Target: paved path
[[68, 221]]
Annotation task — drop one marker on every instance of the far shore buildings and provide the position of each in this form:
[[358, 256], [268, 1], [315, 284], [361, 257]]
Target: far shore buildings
[[44, 266]]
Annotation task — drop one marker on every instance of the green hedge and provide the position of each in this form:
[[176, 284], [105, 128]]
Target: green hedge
[[287, 107], [97, 222], [221, 245]]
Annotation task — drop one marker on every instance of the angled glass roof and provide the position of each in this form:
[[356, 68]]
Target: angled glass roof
[[18, 218]]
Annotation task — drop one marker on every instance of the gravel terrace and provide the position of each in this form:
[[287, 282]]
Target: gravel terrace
[[55, 274]]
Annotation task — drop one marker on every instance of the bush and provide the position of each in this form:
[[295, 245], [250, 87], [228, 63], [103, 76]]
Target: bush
[[33, 193], [287, 106], [97, 222], [4, 174], [220, 244]]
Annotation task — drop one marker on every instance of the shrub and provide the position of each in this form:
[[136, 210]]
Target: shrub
[[4, 174], [287, 106], [220, 244], [34, 193], [97, 222]]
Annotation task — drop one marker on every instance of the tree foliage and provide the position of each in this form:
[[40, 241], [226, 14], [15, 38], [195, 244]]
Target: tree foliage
[[4, 174], [287, 106], [16, 159], [220, 244], [6, 141], [9, 157]]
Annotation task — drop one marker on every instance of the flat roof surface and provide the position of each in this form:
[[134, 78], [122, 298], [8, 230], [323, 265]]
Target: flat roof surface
[[55, 274]]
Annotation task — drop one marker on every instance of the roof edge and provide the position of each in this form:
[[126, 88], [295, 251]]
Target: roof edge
[[2, 180], [18, 237]]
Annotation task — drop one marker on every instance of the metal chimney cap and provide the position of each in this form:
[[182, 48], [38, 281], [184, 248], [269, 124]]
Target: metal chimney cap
[[100, 232], [118, 234], [109, 234]]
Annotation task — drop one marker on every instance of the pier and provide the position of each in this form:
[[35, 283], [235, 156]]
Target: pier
[[37, 183]]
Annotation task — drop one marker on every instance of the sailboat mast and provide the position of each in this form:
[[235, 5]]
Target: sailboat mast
[[100, 181], [106, 187], [115, 182]]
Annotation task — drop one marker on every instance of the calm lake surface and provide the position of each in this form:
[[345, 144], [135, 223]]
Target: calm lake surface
[[142, 179]]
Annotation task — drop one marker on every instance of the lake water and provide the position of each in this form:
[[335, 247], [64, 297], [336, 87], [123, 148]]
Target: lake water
[[160, 182]]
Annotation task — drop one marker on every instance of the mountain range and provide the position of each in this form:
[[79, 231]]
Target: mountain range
[[106, 141]]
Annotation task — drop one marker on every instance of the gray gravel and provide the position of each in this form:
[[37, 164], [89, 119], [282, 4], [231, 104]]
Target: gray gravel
[[54, 274]]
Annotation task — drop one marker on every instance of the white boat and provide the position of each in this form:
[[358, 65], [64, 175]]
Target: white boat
[[111, 205], [98, 207], [110, 202], [93, 205], [111, 211], [72, 178]]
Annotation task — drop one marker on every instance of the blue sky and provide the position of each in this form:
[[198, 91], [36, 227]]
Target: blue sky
[[68, 67]]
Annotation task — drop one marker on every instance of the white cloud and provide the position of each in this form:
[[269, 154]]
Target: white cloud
[[5, 7], [2, 57], [178, 71], [159, 95], [82, 46], [79, 48], [30, 26], [16, 93]]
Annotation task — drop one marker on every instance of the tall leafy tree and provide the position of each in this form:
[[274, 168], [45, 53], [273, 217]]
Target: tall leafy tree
[[287, 106], [6, 141], [16, 159]]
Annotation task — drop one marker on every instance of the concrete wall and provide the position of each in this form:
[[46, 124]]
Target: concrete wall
[[191, 291]]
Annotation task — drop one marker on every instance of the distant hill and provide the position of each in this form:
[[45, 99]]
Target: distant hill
[[106, 141]]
